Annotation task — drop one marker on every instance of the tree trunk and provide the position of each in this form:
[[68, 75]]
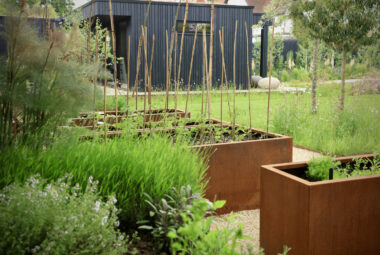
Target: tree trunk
[[306, 62], [343, 80], [314, 84]]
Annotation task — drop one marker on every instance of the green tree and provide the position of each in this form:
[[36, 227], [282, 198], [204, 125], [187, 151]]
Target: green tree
[[342, 24], [60, 6], [304, 37]]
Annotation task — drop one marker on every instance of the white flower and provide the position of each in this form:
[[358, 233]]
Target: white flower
[[117, 223], [36, 249], [113, 200], [104, 220], [97, 206], [90, 179]]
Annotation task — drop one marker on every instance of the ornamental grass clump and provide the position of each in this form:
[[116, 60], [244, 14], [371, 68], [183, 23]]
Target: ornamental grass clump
[[43, 79], [55, 218], [127, 167]]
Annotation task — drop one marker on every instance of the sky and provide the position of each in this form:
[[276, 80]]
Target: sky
[[80, 2]]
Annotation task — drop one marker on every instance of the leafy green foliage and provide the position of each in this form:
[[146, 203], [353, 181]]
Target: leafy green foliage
[[127, 167], [361, 167], [344, 24], [353, 130], [61, 7], [318, 168], [182, 223], [166, 214], [42, 81], [56, 218], [196, 235]]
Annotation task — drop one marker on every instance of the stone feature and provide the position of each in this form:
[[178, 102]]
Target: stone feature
[[264, 83], [255, 80]]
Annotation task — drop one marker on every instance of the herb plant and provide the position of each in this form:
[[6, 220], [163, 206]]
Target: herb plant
[[318, 168], [361, 167], [56, 218], [166, 214], [127, 167]]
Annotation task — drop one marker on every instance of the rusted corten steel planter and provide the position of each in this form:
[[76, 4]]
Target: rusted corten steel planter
[[156, 115], [320, 218], [234, 169]]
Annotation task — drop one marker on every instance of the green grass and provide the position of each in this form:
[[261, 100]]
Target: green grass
[[355, 130], [125, 167]]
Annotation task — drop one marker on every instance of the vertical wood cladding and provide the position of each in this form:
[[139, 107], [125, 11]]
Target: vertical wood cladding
[[162, 17]]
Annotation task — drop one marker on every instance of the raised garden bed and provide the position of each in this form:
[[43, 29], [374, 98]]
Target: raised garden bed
[[158, 114], [324, 217], [234, 166]]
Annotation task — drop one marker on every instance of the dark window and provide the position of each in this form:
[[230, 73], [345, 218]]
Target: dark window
[[192, 26]]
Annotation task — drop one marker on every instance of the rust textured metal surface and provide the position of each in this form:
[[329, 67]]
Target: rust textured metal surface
[[326, 217], [234, 169]]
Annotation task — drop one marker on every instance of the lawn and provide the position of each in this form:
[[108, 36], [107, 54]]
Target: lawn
[[354, 130]]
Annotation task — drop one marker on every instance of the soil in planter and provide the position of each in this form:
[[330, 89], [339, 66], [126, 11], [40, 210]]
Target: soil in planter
[[120, 113], [214, 134], [139, 125], [196, 132]]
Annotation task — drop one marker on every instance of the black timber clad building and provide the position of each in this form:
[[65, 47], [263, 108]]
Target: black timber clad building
[[37, 23], [129, 17]]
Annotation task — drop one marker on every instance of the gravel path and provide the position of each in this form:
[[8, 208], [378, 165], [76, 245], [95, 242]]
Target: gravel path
[[302, 154], [122, 91], [251, 225], [251, 218]]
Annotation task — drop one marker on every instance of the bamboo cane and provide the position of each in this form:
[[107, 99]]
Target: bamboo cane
[[270, 75], [191, 68], [234, 81], [146, 70], [224, 71], [167, 71], [88, 33], [129, 69], [205, 74], [105, 87], [210, 61], [150, 84], [139, 54], [173, 39], [96, 74], [180, 57], [203, 81], [175, 67], [249, 78], [114, 59], [138, 69], [221, 85], [225, 77]]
